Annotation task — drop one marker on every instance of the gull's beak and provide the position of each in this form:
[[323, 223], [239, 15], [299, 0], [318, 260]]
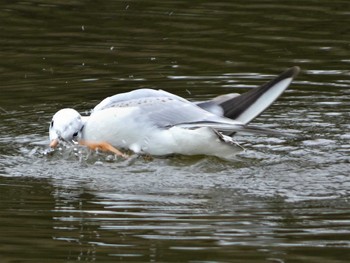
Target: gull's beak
[[54, 143]]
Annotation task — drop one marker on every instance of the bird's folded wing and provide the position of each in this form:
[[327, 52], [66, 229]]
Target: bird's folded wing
[[159, 108], [135, 97]]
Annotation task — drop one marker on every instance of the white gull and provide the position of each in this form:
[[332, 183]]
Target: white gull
[[156, 122]]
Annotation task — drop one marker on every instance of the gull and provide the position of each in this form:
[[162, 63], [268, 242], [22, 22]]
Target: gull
[[159, 123]]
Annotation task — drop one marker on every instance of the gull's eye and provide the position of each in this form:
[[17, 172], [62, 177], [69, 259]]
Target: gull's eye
[[75, 134], [51, 124]]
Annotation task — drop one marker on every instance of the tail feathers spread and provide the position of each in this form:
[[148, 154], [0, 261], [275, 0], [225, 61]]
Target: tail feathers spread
[[249, 105]]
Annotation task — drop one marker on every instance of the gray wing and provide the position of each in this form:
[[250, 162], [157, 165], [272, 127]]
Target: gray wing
[[228, 113], [242, 108], [164, 110], [160, 107], [167, 112], [134, 97]]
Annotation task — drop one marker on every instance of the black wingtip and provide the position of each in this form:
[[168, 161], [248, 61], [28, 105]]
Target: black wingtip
[[292, 72], [289, 73], [235, 107]]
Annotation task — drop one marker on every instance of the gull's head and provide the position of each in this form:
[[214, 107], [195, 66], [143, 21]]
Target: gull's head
[[65, 126]]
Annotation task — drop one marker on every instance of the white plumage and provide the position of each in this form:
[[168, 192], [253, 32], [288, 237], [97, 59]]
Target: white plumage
[[158, 123]]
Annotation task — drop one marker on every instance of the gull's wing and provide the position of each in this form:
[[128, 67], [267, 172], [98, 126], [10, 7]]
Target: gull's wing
[[243, 108], [167, 112], [134, 97], [231, 112], [214, 105], [161, 107], [249, 105]]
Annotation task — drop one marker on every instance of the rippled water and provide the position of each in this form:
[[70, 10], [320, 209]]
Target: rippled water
[[282, 200]]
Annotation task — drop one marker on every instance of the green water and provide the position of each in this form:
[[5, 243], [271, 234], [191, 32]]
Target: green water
[[282, 200]]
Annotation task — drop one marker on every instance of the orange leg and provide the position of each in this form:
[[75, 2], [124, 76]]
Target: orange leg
[[104, 146]]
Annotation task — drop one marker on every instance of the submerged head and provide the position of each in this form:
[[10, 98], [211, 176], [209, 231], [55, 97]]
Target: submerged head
[[65, 126]]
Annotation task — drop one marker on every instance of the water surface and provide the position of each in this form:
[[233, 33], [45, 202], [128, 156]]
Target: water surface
[[282, 200]]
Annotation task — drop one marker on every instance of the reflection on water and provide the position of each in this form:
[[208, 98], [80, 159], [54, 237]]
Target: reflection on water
[[282, 200]]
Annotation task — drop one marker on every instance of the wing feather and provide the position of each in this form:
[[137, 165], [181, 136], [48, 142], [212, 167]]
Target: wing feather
[[134, 98]]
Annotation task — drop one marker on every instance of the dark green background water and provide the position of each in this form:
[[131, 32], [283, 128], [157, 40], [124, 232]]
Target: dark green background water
[[283, 200]]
